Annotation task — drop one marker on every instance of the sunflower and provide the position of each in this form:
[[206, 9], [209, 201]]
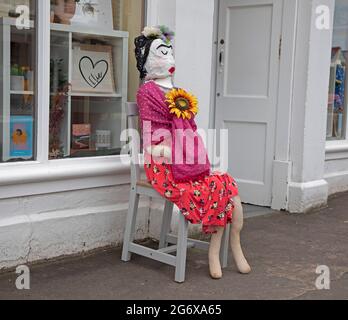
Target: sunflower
[[182, 104]]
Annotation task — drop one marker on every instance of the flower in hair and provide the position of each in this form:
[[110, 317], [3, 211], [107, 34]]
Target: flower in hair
[[159, 32], [166, 34], [152, 32]]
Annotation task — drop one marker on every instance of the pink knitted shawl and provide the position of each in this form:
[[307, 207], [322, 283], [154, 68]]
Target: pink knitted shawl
[[187, 165]]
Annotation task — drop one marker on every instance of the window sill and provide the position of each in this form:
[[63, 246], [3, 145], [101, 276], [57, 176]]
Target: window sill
[[32, 178], [336, 150]]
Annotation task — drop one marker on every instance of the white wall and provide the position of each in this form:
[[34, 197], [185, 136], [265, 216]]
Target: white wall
[[194, 49], [336, 172], [47, 226], [161, 12]]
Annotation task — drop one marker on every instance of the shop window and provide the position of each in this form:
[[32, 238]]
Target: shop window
[[17, 80], [92, 74], [338, 89]]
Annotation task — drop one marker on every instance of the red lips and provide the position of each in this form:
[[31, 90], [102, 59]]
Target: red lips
[[172, 70]]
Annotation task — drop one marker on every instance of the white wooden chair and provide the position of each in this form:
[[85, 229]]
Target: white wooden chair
[[168, 243]]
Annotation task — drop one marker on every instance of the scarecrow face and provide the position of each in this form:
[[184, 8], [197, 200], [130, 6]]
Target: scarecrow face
[[160, 63]]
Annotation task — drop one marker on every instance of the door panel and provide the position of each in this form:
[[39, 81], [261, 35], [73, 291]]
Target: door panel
[[247, 89], [248, 51]]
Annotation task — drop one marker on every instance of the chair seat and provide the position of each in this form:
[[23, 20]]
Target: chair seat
[[144, 183]]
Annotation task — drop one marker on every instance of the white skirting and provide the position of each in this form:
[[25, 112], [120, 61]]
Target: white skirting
[[39, 236], [306, 196]]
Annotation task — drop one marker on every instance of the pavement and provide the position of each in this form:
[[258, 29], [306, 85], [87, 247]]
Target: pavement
[[283, 249]]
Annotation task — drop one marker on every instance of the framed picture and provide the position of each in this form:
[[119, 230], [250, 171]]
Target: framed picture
[[95, 14], [21, 137], [93, 70]]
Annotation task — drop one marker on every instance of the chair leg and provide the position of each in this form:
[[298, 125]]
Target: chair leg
[[181, 253], [225, 247], [130, 225], [166, 222]]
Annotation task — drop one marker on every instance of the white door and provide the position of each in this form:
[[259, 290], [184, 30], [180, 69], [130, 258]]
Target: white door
[[247, 89]]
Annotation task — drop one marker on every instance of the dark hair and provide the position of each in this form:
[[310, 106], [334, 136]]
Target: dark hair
[[142, 50]]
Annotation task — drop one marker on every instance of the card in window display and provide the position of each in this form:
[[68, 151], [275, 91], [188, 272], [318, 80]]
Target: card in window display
[[81, 138], [93, 70], [21, 138]]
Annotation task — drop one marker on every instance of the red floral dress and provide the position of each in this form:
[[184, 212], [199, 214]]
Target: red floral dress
[[208, 201]]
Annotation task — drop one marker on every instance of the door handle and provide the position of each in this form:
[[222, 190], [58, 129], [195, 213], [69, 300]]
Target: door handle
[[221, 60], [221, 57]]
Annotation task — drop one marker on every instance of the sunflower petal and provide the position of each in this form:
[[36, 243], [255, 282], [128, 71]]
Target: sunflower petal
[[172, 99]]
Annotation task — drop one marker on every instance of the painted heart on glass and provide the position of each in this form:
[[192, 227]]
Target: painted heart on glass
[[93, 73]]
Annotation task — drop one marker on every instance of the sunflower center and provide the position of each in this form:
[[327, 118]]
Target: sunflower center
[[182, 104]]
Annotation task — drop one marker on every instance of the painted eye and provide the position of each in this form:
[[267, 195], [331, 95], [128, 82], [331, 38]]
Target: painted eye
[[164, 52]]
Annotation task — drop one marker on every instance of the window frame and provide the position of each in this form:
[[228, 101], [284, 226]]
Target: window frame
[[48, 176], [338, 149]]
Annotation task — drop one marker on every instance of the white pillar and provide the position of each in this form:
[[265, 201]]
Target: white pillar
[[307, 188]]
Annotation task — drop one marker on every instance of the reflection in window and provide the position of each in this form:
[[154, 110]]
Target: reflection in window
[[337, 106], [17, 80]]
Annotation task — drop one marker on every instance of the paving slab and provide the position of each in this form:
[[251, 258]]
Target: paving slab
[[283, 249]]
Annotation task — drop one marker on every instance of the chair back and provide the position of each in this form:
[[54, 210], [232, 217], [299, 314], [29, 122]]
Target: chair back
[[132, 112]]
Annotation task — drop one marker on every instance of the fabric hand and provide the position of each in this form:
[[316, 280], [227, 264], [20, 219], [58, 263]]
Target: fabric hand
[[160, 151]]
